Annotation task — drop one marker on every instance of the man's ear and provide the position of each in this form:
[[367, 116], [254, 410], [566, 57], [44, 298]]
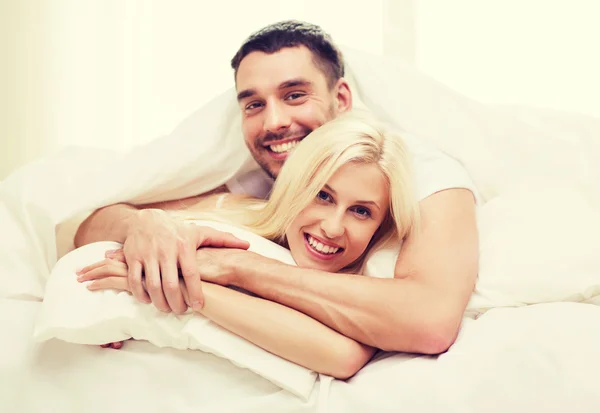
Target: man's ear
[[343, 96]]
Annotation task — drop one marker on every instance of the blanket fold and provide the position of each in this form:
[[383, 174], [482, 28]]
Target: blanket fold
[[499, 147]]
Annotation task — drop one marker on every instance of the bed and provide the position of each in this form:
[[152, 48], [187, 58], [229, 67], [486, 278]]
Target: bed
[[529, 340], [540, 358]]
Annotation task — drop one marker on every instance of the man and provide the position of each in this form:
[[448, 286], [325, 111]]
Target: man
[[289, 79]]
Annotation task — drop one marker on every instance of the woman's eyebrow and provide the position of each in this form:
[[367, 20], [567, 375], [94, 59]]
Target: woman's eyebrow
[[373, 203]]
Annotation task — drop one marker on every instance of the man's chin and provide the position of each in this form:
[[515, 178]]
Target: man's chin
[[273, 172], [271, 169]]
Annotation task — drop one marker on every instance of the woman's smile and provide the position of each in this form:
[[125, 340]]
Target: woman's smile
[[320, 249]]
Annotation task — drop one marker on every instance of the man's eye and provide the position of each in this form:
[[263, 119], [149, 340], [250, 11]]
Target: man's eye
[[294, 96], [324, 196], [253, 106]]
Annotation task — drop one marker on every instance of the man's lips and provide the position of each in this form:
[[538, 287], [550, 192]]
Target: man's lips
[[282, 141]]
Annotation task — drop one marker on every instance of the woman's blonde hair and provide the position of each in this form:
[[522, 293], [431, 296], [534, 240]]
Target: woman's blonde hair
[[353, 137]]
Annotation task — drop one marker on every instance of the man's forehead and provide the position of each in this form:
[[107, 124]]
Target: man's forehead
[[261, 70]]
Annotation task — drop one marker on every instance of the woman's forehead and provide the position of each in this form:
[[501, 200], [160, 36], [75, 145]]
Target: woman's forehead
[[360, 182]]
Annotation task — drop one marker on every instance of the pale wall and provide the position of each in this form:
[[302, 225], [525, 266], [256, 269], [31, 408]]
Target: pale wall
[[537, 52], [117, 73]]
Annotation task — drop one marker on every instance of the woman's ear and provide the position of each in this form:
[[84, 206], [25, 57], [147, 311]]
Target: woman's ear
[[343, 96]]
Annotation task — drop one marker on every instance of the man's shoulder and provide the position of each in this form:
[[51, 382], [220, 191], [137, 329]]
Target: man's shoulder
[[251, 180], [434, 170]]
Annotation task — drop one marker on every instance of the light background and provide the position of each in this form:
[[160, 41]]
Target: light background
[[118, 73]]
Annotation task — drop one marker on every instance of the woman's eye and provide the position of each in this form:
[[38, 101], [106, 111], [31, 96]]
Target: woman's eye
[[323, 196], [362, 212]]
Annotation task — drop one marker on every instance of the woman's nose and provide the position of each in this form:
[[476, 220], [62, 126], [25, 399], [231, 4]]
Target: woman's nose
[[333, 225]]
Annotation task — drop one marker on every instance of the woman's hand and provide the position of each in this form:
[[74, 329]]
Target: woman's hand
[[216, 265], [112, 274], [108, 274]]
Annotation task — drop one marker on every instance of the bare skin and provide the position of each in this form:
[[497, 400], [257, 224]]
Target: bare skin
[[438, 265]]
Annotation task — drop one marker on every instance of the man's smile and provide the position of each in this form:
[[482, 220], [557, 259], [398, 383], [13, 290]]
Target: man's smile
[[280, 149]]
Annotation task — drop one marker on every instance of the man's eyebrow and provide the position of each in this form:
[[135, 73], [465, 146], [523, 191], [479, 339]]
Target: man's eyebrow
[[330, 189], [295, 82], [246, 94]]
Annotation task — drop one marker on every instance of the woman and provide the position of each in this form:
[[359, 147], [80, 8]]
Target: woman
[[344, 192]]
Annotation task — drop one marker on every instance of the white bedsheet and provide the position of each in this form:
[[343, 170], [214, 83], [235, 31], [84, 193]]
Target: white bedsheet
[[60, 377], [508, 360], [542, 358], [538, 358]]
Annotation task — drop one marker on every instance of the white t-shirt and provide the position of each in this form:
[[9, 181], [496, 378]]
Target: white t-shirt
[[433, 171]]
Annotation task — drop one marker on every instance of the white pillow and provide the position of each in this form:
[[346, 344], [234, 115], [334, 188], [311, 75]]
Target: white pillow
[[72, 313], [537, 245]]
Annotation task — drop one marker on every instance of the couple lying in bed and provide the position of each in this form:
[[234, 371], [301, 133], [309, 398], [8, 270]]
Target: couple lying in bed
[[345, 190], [341, 193]]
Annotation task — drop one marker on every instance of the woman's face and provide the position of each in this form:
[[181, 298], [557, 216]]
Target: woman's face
[[336, 228]]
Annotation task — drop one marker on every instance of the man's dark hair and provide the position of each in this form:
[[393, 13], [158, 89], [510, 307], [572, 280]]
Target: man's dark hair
[[292, 33]]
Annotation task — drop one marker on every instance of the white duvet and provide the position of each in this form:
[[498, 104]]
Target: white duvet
[[528, 342]]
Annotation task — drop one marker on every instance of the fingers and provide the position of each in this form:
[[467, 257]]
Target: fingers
[[184, 292], [134, 277], [117, 255], [110, 283], [116, 345], [93, 266], [154, 286], [191, 278], [213, 238], [109, 268], [170, 284]]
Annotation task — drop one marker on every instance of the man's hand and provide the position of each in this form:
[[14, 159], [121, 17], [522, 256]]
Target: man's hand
[[218, 265], [159, 246]]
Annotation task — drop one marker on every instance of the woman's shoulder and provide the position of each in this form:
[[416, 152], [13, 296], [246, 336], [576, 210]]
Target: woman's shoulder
[[218, 201]]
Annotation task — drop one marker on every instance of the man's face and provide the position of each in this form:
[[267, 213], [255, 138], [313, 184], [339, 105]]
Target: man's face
[[283, 97]]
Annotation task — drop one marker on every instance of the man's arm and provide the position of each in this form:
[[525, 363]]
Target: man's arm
[[420, 310], [157, 245], [112, 223]]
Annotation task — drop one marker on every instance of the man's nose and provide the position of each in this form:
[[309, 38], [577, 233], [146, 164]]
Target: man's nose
[[333, 225], [276, 118]]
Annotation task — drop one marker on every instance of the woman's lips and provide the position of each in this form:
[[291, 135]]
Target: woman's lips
[[317, 254]]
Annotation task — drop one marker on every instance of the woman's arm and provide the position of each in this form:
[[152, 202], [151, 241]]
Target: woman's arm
[[276, 328], [285, 332]]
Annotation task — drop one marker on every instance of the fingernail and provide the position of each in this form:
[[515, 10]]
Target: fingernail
[[78, 271], [197, 305]]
